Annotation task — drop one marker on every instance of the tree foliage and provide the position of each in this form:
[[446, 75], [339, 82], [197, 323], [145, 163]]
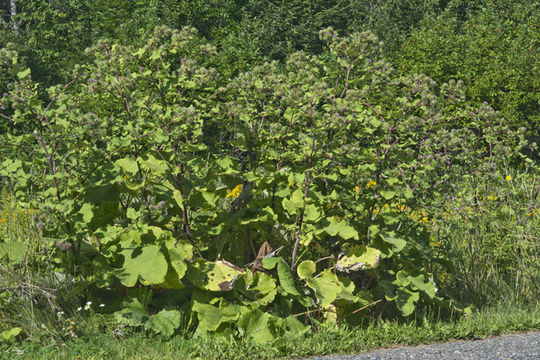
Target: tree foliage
[[494, 51]]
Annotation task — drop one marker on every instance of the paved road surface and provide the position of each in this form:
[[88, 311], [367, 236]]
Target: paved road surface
[[508, 347]]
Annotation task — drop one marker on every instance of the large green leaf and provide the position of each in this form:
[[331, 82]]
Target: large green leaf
[[256, 290], [405, 300], [155, 166], [341, 228], [209, 316], [286, 279], [87, 212], [358, 257], [295, 326], [326, 287], [219, 275], [133, 313], [387, 194], [294, 203], [306, 269], [179, 254], [128, 165], [146, 262], [177, 196], [263, 288], [270, 263], [427, 287], [285, 276], [164, 322], [402, 278], [254, 324], [397, 244], [311, 213]]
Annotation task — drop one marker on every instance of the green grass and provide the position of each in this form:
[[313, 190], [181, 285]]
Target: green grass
[[491, 233], [107, 344]]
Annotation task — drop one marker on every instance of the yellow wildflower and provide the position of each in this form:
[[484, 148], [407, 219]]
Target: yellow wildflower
[[234, 193], [357, 189], [371, 184], [508, 177]]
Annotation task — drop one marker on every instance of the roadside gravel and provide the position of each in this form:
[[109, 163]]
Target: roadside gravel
[[518, 346]]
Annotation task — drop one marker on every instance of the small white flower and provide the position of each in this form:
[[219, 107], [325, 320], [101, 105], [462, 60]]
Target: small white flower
[[89, 303], [79, 308], [101, 305]]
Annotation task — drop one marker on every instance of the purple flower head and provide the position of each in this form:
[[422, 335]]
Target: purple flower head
[[165, 213], [3, 107], [342, 147], [141, 68], [162, 203], [5, 94], [91, 123], [152, 207], [369, 61]]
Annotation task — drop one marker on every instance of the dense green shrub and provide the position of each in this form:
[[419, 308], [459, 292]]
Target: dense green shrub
[[292, 195]]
